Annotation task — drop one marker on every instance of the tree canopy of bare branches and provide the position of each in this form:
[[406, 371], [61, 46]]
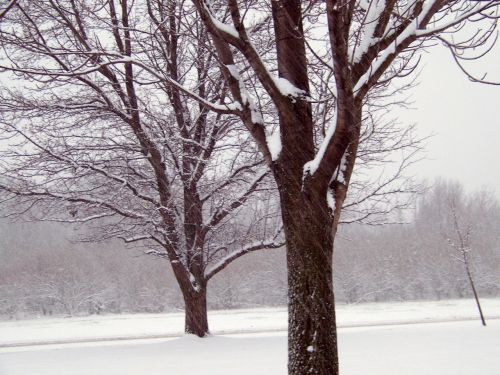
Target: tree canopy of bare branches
[[362, 46], [101, 133]]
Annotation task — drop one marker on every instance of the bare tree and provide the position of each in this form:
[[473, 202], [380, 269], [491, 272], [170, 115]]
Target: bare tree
[[365, 46], [462, 246], [100, 133], [464, 224], [456, 215]]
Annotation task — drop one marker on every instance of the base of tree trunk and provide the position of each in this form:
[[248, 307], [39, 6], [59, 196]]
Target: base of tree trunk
[[196, 318]]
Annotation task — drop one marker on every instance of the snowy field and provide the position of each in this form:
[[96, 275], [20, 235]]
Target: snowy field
[[376, 339], [457, 348], [135, 326]]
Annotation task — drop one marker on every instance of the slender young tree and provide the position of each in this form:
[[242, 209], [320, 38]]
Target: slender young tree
[[459, 218], [463, 247]]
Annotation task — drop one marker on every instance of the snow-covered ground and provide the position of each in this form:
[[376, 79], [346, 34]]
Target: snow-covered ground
[[456, 348], [113, 327], [379, 347]]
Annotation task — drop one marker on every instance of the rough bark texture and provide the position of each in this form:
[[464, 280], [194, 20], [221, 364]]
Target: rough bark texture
[[312, 341], [196, 321]]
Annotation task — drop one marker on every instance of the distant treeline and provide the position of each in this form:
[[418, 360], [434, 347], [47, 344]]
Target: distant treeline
[[43, 273]]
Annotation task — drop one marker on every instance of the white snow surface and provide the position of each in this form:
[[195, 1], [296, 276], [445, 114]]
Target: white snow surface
[[247, 99], [375, 9], [330, 199], [132, 326], [222, 26], [410, 338], [286, 87], [273, 140], [312, 166]]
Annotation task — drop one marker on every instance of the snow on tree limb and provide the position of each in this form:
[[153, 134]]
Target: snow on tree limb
[[224, 262]]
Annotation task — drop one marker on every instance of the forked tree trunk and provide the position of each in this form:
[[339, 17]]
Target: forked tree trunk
[[196, 320]]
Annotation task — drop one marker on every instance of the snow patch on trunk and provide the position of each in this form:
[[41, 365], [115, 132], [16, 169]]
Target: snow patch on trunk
[[330, 199], [273, 140], [255, 115], [312, 166], [287, 88]]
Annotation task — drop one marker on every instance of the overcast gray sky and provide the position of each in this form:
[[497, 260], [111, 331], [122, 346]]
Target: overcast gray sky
[[463, 116]]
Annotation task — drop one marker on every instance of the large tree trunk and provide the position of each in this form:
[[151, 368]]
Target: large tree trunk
[[308, 223], [194, 293], [312, 328], [196, 321]]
